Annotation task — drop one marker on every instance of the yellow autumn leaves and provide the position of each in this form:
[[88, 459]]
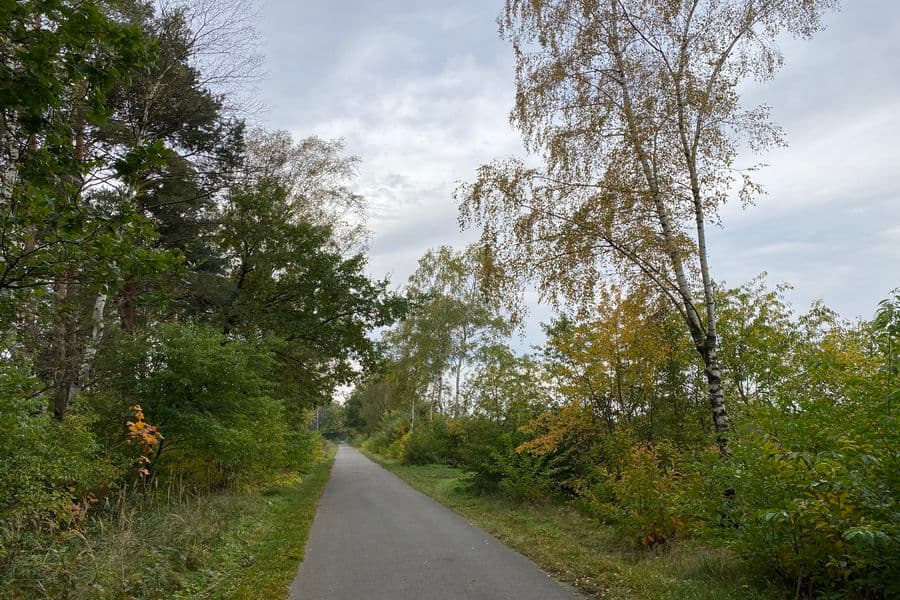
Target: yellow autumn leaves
[[143, 435]]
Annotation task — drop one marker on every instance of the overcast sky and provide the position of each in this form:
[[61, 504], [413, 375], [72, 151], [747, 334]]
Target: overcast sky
[[420, 91]]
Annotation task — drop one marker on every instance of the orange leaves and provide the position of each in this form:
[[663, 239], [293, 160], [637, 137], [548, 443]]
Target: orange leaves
[[143, 435], [619, 357], [567, 426]]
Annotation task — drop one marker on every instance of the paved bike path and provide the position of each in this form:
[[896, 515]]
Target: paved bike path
[[376, 538]]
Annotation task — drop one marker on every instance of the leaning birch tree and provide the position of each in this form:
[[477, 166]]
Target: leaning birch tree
[[633, 107]]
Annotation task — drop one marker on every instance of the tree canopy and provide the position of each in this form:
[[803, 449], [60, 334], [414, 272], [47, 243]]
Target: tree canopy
[[634, 110]]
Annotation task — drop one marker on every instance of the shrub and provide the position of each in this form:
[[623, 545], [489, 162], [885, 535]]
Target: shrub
[[822, 520], [569, 442], [487, 450], [479, 446], [393, 426], [210, 398], [301, 448], [428, 443], [594, 496], [648, 492], [377, 442], [397, 449], [47, 467], [526, 478], [815, 472]]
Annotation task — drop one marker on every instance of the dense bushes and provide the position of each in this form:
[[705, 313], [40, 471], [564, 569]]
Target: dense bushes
[[220, 427], [486, 448], [815, 470], [816, 473], [808, 492], [392, 428], [430, 443], [819, 519], [46, 466], [210, 398], [424, 443], [658, 495]]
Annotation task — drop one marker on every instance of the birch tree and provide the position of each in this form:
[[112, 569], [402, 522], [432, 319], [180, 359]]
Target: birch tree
[[633, 107], [318, 178], [470, 319], [452, 320]]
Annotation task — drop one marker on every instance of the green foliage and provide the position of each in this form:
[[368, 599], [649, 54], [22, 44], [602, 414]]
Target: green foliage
[[210, 398], [656, 493], [289, 283], [46, 466], [757, 333], [55, 83], [392, 428], [822, 520], [486, 449], [886, 327], [167, 542], [301, 447], [813, 477], [428, 443], [524, 478], [816, 472]]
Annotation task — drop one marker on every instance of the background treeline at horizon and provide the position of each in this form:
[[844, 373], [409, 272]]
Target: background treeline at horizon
[[612, 416], [177, 290]]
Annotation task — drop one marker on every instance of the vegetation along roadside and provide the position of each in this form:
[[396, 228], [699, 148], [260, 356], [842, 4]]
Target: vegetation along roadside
[[170, 543], [577, 550]]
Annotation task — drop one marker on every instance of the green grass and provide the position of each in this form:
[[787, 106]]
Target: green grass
[[579, 551], [168, 544]]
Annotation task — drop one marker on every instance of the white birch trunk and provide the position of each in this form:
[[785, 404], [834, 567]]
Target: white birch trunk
[[90, 350], [9, 148], [704, 336]]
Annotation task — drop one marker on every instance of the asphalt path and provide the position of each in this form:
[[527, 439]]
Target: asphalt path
[[376, 538]]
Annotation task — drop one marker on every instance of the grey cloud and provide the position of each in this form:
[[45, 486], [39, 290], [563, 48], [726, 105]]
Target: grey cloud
[[421, 90]]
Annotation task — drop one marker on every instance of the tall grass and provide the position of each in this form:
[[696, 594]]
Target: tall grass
[[164, 542]]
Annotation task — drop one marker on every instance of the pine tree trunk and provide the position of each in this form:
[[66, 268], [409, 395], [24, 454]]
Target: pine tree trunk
[[128, 305], [65, 335], [61, 373], [63, 352]]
